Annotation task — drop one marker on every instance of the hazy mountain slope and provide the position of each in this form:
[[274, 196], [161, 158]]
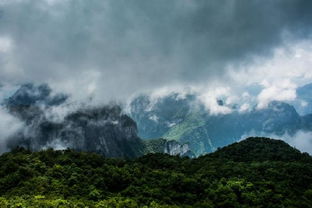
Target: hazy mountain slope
[[104, 129], [156, 117], [31, 94], [187, 121], [303, 102]]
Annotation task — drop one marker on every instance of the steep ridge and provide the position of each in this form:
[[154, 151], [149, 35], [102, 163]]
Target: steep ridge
[[187, 121], [168, 147], [105, 129]]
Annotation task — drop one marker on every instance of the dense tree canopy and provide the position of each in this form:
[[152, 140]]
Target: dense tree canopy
[[257, 172]]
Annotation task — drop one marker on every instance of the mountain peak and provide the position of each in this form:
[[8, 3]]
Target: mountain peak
[[260, 149], [30, 94]]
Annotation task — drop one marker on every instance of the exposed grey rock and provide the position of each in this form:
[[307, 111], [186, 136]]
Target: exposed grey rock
[[105, 130], [183, 120], [32, 95], [175, 148]]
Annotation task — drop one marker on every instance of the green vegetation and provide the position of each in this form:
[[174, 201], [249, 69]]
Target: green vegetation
[[154, 145], [257, 172], [192, 122]]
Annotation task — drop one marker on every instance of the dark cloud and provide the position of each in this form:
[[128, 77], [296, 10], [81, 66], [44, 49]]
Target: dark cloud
[[118, 47]]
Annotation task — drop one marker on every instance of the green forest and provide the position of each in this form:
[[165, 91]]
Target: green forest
[[256, 173]]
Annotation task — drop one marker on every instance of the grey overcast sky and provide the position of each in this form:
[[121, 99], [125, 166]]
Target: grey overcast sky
[[113, 49]]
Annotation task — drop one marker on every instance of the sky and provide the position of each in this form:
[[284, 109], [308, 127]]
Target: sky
[[114, 49], [248, 51]]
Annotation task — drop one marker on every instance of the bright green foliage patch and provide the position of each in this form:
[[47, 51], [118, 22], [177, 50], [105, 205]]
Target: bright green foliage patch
[[192, 122]]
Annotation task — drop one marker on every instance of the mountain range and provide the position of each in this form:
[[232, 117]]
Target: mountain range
[[105, 130], [186, 120], [173, 124]]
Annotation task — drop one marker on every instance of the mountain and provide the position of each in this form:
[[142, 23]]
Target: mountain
[[257, 149], [303, 102], [104, 129], [183, 122], [185, 119], [253, 173], [156, 117], [168, 147], [30, 94]]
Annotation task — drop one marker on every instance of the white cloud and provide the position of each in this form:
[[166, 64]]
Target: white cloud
[[292, 62], [210, 100], [277, 91], [107, 50], [153, 118], [245, 107], [52, 2], [302, 140], [65, 42], [8, 126], [5, 44], [278, 77], [56, 144], [59, 112]]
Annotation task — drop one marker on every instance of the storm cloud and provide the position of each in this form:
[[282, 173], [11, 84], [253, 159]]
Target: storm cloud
[[113, 49], [8, 126]]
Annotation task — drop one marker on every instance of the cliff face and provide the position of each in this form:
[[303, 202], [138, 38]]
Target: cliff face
[[175, 148], [168, 147], [104, 130], [182, 119]]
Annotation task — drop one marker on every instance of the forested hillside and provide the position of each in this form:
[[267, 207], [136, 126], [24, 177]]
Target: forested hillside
[[257, 172]]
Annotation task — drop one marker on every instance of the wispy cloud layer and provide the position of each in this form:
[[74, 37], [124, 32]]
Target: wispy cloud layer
[[8, 126], [113, 49]]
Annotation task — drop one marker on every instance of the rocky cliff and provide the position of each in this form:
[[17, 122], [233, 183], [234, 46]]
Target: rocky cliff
[[181, 118], [103, 129]]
